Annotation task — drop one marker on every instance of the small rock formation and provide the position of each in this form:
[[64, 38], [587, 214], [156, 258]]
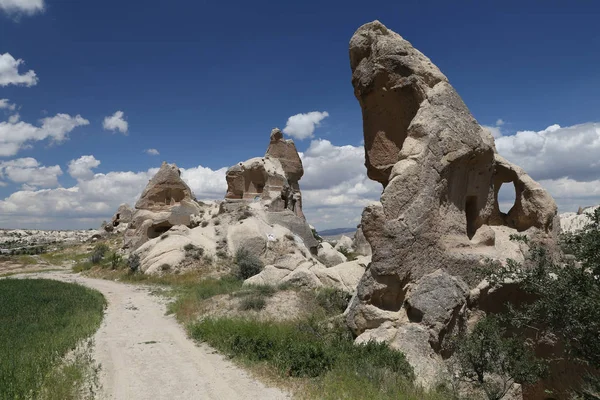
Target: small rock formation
[[344, 243], [165, 202], [272, 178], [120, 220], [438, 216], [329, 256], [573, 222]]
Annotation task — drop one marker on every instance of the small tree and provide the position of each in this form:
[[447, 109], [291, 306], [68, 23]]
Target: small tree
[[248, 264], [493, 361]]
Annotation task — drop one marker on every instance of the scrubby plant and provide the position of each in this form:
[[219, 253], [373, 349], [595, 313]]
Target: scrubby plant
[[333, 301], [349, 254], [133, 262], [193, 251], [245, 214], [253, 302], [164, 267], [494, 361], [98, 253], [204, 224], [115, 260], [316, 235], [247, 263]]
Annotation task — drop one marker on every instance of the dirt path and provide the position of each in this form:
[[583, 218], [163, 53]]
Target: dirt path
[[145, 354]]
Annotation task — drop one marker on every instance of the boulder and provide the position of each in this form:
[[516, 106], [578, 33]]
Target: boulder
[[344, 243], [438, 215], [360, 244], [165, 189], [344, 276], [329, 256]]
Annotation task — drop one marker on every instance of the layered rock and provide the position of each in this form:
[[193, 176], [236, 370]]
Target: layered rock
[[272, 179], [165, 202], [438, 216]]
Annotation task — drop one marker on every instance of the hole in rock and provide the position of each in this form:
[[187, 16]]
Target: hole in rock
[[156, 230], [507, 196], [471, 213], [390, 296]]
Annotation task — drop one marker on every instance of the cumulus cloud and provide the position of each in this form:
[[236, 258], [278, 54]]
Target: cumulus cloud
[[28, 7], [9, 72], [152, 152], [6, 105], [82, 167], [116, 122], [30, 173], [95, 196], [335, 187], [495, 130], [15, 135], [302, 126]]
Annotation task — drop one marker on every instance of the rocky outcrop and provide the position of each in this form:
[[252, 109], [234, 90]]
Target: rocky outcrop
[[573, 222], [360, 243], [272, 179], [329, 256], [165, 202], [438, 216]]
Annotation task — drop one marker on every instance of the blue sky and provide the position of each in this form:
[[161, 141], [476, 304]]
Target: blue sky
[[203, 83]]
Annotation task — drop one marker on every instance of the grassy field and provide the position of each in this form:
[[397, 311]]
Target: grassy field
[[41, 321]]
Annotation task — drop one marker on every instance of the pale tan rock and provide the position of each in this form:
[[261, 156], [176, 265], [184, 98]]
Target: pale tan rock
[[344, 276], [360, 243], [330, 256], [344, 243], [165, 189]]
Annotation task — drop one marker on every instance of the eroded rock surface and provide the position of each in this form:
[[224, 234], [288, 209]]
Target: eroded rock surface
[[165, 202], [438, 217]]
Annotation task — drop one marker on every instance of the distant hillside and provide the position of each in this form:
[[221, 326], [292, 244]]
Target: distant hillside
[[337, 231]]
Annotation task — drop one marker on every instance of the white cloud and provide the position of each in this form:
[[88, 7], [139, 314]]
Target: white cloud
[[335, 187], [152, 152], [82, 167], [16, 135], [302, 126], [30, 173], [207, 184], [6, 105], [116, 122], [565, 161], [9, 72], [13, 119], [28, 7], [495, 130]]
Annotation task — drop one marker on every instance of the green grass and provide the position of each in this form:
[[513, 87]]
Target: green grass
[[321, 352], [40, 322]]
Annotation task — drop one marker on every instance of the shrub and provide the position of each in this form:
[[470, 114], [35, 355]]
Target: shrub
[[333, 301], [350, 255], [316, 235], [217, 222], [133, 262], [248, 264], [115, 260], [493, 361], [245, 214], [204, 224], [222, 254], [253, 302], [193, 251], [164, 267], [98, 253]]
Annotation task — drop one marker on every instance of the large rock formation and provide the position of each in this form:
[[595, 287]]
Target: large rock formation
[[438, 216], [272, 179], [165, 202]]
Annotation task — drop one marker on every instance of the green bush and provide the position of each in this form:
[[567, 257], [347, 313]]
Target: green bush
[[115, 260], [248, 264], [133, 262], [298, 349], [98, 253], [253, 302], [333, 301], [193, 251]]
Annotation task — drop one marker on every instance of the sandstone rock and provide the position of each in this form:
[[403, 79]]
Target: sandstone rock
[[250, 235], [165, 202], [344, 276], [437, 300], [573, 222], [123, 215], [330, 256], [165, 189], [360, 244], [438, 215], [344, 242]]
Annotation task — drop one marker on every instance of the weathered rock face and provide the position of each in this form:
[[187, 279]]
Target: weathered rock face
[[441, 175], [165, 202], [272, 179]]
